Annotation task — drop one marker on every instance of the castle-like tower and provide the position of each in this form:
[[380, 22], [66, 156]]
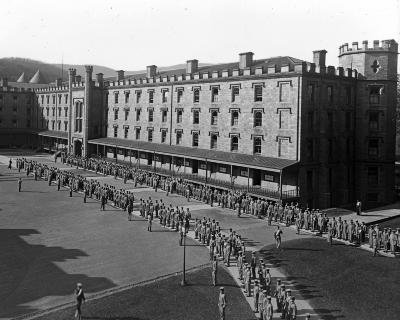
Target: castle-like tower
[[375, 116]]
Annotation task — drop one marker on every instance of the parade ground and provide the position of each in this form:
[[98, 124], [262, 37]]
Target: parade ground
[[50, 241]]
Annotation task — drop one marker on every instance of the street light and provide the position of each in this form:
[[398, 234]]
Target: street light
[[183, 282]]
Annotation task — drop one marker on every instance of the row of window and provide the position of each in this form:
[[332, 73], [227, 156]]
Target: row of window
[[257, 117], [54, 111], [28, 98], [53, 98]]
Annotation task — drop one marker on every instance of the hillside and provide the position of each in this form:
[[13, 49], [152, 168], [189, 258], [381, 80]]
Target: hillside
[[80, 69]]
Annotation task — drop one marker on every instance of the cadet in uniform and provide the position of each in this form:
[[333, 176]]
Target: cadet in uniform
[[269, 310], [19, 184], [221, 303], [256, 294], [80, 298], [214, 270]]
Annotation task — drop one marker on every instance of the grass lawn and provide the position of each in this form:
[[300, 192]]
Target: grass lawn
[[166, 299], [339, 281]]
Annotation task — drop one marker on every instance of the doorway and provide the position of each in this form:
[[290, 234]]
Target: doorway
[[256, 177], [195, 166], [78, 148]]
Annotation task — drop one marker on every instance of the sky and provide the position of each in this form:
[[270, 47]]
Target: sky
[[130, 35]]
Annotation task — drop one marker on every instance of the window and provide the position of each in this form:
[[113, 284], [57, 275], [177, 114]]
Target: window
[[330, 121], [65, 112], [179, 116], [115, 132], [330, 94], [59, 112], [116, 114], [310, 120], [126, 132], [116, 97], [47, 111], [150, 135], [138, 96], [163, 136], [137, 114], [14, 123], [284, 91], [214, 141], [235, 93], [66, 99], [310, 149], [257, 145], [53, 98], [311, 93], [48, 99], [214, 94], [196, 95], [283, 146], [53, 125], [42, 97], [374, 95], [372, 176], [15, 109], [373, 145], [214, 118], [234, 143], [196, 116], [234, 118], [284, 116], [257, 118], [78, 116], [59, 98], [195, 139], [126, 115], [65, 125], [348, 120], [164, 115], [178, 137], [151, 96], [179, 95], [348, 96], [164, 96], [59, 125], [151, 115], [258, 91], [137, 133], [53, 111], [127, 97], [374, 120]]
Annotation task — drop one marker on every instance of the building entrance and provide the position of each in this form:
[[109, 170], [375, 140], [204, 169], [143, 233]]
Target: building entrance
[[78, 148]]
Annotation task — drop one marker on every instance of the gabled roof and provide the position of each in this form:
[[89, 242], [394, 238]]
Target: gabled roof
[[36, 78], [21, 78]]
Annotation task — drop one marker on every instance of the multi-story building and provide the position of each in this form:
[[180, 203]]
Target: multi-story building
[[281, 128]]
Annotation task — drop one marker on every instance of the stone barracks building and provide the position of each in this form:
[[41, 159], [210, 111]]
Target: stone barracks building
[[280, 128]]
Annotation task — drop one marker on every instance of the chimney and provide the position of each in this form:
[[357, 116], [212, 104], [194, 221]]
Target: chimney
[[192, 66], [58, 82], [355, 46], [151, 71], [365, 45], [376, 44], [89, 72], [78, 78], [319, 57], [3, 83], [72, 73], [120, 75], [99, 78], [245, 60]]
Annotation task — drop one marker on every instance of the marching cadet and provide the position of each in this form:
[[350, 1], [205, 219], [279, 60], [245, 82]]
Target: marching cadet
[[260, 307], [19, 182], [10, 164], [268, 310], [80, 298], [214, 270], [268, 281], [277, 294], [149, 222], [256, 294], [240, 265], [278, 237], [375, 244], [292, 309], [247, 281], [253, 264], [286, 303], [221, 303]]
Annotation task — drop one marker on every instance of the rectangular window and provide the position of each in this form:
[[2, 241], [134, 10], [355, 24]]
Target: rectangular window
[[116, 114], [48, 99], [126, 115], [127, 97], [374, 120], [150, 135], [310, 120], [59, 98], [54, 99], [348, 96], [164, 116], [53, 124], [179, 116], [151, 96], [374, 95], [258, 118], [214, 141], [214, 94], [59, 112], [137, 114], [257, 145], [179, 95], [53, 111], [196, 116], [164, 96], [214, 118], [196, 95], [311, 93], [59, 125], [47, 111], [330, 94], [116, 97], [283, 147], [235, 93], [372, 176], [65, 125], [195, 139], [234, 118], [234, 143], [151, 115], [66, 99], [138, 96], [163, 136], [258, 91], [348, 120], [115, 132], [137, 133], [178, 137], [284, 116], [373, 145], [284, 92], [126, 132]]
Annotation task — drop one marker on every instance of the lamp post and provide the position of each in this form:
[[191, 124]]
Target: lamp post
[[183, 282]]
